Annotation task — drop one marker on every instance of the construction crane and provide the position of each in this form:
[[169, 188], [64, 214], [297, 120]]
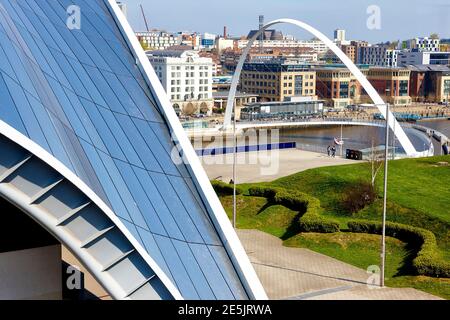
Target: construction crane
[[145, 19]]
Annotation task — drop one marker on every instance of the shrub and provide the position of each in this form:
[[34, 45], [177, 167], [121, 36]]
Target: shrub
[[224, 189], [358, 197], [308, 206], [427, 261]]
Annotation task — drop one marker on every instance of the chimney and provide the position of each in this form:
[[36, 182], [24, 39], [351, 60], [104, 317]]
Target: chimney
[[225, 32]]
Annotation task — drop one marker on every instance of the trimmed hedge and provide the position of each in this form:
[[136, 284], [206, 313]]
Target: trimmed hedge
[[308, 206], [223, 188], [427, 262]]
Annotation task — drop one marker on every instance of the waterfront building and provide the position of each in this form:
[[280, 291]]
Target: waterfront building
[[278, 79], [392, 84], [339, 88], [430, 83], [294, 107], [187, 79], [241, 99], [94, 160]]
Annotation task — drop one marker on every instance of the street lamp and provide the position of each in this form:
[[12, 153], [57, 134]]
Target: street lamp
[[234, 164], [383, 233]]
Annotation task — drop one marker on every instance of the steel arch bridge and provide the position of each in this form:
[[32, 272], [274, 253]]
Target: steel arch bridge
[[378, 101]]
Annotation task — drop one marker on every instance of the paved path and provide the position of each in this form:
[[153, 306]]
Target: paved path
[[266, 166], [297, 273]]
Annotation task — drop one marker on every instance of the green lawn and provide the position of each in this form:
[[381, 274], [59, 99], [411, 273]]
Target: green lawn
[[419, 195]]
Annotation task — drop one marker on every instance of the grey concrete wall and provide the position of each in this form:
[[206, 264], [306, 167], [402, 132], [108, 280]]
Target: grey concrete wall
[[31, 274]]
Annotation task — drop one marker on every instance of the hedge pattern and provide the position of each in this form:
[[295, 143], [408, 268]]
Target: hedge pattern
[[428, 261], [224, 189], [310, 221]]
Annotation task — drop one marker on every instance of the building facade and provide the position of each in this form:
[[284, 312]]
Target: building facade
[[187, 79], [92, 151], [415, 57], [423, 44], [277, 80], [158, 40], [379, 55], [430, 83], [316, 45], [339, 88]]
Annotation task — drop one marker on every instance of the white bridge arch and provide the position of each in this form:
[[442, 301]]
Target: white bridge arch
[[373, 94]]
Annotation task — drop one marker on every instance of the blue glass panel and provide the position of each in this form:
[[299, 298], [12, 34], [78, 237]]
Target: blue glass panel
[[182, 279], [133, 230], [198, 216], [194, 271], [212, 272], [158, 203], [25, 111], [151, 246], [105, 133], [8, 111], [177, 209], [221, 257], [135, 138]]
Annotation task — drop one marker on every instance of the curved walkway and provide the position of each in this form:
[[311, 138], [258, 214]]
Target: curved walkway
[[297, 273]]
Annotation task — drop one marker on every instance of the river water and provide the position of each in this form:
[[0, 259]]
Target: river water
[[358, 138]]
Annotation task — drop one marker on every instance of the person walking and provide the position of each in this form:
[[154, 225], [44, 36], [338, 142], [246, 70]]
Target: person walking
[[329, 150], [333, 152]]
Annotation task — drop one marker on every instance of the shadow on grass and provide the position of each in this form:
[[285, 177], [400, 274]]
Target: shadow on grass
[[264, 207], [293, 229], [407, 268]]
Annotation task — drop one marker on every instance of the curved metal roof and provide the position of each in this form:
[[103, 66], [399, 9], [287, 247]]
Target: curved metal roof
[[88, 97]]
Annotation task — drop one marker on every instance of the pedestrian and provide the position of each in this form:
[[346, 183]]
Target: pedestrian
[[333, 152], [329, 150]]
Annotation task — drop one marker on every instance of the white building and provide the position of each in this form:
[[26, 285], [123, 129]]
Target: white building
[[420, 57], [318, 46], [339, 35], [379, 55], [187, 79], [423, 44], [158, 40], [208, 41], [222, 44]]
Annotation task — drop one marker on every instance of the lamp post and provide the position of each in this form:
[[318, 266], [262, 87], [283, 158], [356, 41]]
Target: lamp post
[[234, 164], [383, 233]]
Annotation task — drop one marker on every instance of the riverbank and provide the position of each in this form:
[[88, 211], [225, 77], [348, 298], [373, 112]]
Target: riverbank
[[266, 166]]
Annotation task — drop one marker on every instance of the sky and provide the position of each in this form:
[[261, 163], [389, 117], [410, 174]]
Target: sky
[[399, 19]]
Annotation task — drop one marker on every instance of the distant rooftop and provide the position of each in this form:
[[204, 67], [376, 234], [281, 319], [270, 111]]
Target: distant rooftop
[[428, 67]]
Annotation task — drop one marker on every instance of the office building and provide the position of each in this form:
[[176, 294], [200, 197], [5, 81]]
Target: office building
[[415, 57], [339, 88], [430, 83], [278, 79]]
